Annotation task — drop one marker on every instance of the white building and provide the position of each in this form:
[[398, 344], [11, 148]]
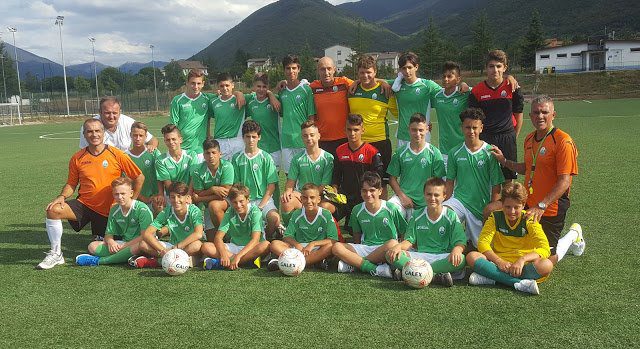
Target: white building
[[389, 59], [340, 54], [259, 64], [603, 55]]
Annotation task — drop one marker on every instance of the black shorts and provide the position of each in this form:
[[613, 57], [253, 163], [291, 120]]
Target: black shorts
[[507, 144], [385, 149], [331, 146], [554, 225], [85, 215]]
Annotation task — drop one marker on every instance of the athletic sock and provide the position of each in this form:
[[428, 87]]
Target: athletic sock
[[367, 266], [444, 266], [403, 259], [119, 257], [54, 231], [565, 242], [102, 251], [529, 272], [490, 270]]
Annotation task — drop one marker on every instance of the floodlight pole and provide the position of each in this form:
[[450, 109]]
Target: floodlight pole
[[153, 65], [95, 67], [13, 31], [4, 81], [59, 22]]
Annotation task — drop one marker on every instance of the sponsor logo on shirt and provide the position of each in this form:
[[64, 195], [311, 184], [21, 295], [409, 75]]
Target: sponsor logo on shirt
[[186, 106], [422, 227], [218, 105], [408, 159], [120, 221], [485, 96], [133, 220], [365, 221], [462, 159], [344, 157]]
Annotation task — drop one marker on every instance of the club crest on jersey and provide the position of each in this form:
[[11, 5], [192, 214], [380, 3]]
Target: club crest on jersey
[[543, 150], [385, 221], [255, 167], [320, 230], [233, 105], [503, 94], [480, 163], [147, 162], [374, 96], [317, 168], [187, 228], [335, 88], [268, 107], [218, 105], [204, 105], [105, 163], [441, 231], [184, 166], [298, 98], [418, 90], [361, 157], [455, 101], [423, 162]]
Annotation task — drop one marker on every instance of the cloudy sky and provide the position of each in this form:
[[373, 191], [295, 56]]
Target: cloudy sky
[[123, 28]]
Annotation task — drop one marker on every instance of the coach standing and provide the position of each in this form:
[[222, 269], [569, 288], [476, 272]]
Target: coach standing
[[92, 168], [550, 162], [117, 126]]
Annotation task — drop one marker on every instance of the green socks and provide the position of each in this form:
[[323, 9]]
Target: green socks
[[403, 259], [367, 266], [119, 257], [102, 251], [444, 266], [490, 270]]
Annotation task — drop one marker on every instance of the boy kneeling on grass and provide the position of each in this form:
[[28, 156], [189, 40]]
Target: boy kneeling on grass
[[311, 230], [126, 219], [512, 249], [436, 234], [182, 221], [244, 224]]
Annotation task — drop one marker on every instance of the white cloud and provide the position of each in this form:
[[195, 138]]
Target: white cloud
[[123, 28]]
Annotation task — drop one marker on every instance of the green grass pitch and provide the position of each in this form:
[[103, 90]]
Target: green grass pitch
[[589, 301]]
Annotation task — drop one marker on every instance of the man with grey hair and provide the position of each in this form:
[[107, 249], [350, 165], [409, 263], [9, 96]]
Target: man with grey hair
[[117, 126], [550, 162], [91, 171]]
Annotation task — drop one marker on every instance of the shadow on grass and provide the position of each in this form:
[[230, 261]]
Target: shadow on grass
[[154, 273], [31, 246]]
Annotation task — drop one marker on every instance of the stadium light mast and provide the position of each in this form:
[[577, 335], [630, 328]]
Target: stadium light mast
[[95, 67], [59, 22], [4, 81], [13, 31], [155, 87]]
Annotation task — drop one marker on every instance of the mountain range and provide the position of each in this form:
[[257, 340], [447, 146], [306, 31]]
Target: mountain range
[[42, 67]]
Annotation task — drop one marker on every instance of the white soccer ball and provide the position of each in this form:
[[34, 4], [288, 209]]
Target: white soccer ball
[[417, 273], [291, 262], [176, 262]]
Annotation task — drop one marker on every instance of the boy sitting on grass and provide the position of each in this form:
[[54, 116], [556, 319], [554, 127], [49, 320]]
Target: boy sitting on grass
[[181, 220], [512, 249], [210, 182], [376, 226], [126, 219], [243, 224], [436, 234], [310, 230]]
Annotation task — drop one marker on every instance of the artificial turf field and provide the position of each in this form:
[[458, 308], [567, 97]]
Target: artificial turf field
[[589, 301]]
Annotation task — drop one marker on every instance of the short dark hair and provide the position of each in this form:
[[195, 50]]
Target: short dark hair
[[290, 59], [408, 57], [473, 114], [195, 73], [179, 188], [237, 190], [307, 124], [210, 143], [417, 117], [434, 182], [168, 128], [451, 66], [251, 126], [366, 62], [372, 179], [498, 56], [224, 76], [90, 121], [262, 77], [354, 119]]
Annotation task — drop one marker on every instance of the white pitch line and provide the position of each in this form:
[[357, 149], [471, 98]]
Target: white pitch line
[[48, 135], [586, 101]]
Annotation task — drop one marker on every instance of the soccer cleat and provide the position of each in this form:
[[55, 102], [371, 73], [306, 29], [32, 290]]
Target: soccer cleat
[[477, 279], [279, 233], [144, 262], [396, 274], [273, 265], [330, 194], [51, 260], [132, 261], [383, 270], [345, 268], [578, 245], [527, 286], [98, 238], [212, 263], [87, 260], [443, 279]]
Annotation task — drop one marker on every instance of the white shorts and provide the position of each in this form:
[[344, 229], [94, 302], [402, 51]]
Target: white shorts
[[445, 157], [305, 244], [406, 212], [230, 146], [473, 225], [287, 156], [166, 244], [364, 250], [267, 208], [233, 248], [429, 257], [208, 224], [277, 158]]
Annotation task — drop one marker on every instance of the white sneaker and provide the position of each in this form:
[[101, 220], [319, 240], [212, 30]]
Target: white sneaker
[[477, 279], [51, 260], [345, 268], [578, 245], [383, 270], [527, 286]]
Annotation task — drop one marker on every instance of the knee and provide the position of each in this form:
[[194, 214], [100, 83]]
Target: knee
[[543, 267], [54, 212], [472, 257], [338, 248], [94, 246]]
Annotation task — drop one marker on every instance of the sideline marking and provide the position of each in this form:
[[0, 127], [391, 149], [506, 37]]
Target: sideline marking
[[49, 135], [586, 101]]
